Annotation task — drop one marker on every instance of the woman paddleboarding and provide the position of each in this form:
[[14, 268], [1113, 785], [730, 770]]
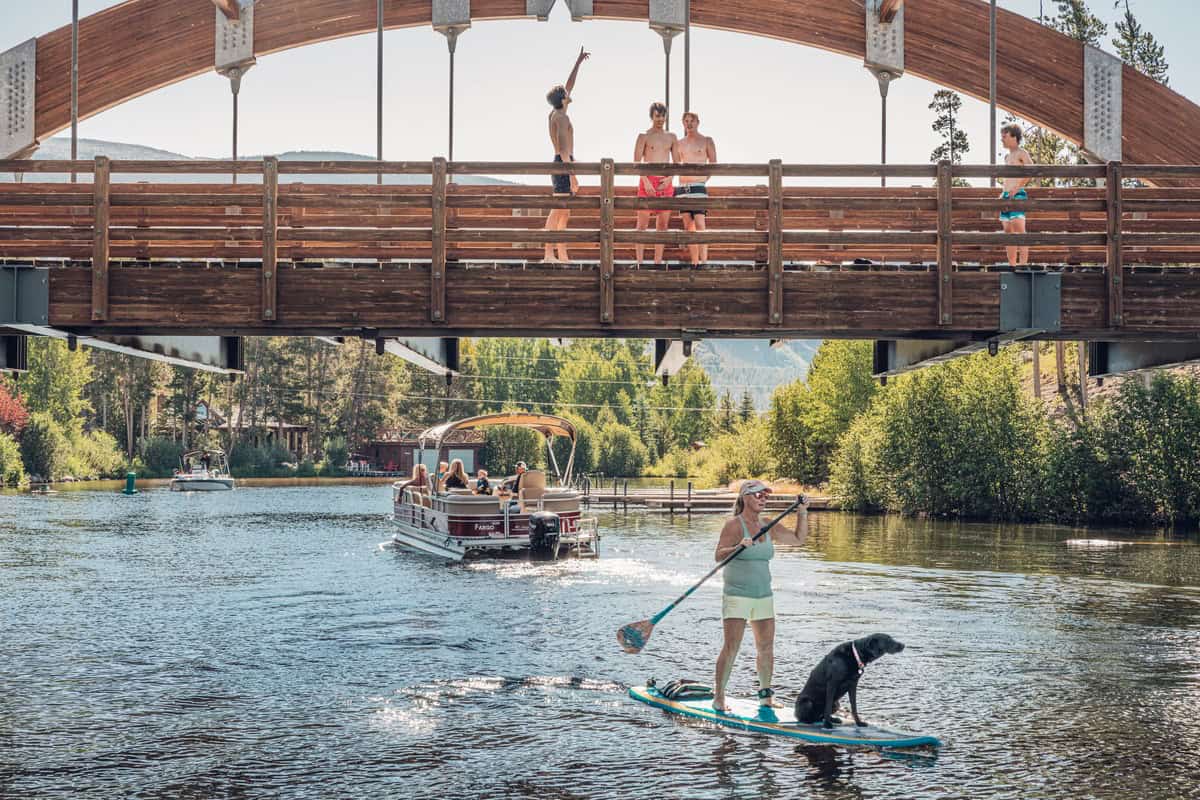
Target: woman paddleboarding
[[747, 596]]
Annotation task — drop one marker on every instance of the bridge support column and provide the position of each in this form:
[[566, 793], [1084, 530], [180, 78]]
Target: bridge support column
[[14, 354], [18, 89]]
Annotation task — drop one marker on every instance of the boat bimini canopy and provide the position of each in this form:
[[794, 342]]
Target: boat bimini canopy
[[549, 426]]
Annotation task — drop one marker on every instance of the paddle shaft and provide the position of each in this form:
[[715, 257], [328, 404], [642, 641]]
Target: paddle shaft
[[762, 532]]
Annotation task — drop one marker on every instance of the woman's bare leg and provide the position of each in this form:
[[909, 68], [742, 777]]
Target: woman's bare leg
[[734, 629], [764, 646]]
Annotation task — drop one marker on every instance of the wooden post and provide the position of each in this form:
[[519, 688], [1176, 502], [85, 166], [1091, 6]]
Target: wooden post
[[1060, 355], [689, 499], [437, 267], [100, 208], [270, 257], [1115, 266], [607, 171], [1037, 370], [1083, 376], [945, 265], [775, 241]]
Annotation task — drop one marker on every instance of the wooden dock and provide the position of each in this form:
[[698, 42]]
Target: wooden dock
[[681, 501]]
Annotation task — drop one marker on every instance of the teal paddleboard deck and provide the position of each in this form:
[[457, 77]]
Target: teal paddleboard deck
[[747, 715]]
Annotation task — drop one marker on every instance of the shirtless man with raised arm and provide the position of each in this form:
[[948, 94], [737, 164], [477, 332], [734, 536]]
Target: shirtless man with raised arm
[[562, 139], [655, 146], [1014, 189], [694, 148]]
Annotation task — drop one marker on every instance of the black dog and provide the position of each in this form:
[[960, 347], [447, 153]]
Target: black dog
[[837, 674]]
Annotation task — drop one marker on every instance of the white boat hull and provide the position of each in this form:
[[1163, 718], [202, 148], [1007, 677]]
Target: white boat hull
[[202, 484], [428, 542]]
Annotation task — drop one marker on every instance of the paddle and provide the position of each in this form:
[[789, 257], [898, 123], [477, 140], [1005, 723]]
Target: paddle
[[633, 637]]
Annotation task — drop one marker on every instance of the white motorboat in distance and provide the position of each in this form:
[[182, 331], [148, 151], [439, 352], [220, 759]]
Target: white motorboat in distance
[[538, 521], [203, 471]]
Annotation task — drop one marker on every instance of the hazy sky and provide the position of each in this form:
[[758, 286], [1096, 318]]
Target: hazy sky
[[759, 98]]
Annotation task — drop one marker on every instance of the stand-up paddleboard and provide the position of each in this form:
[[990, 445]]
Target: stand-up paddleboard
[[747, 715]]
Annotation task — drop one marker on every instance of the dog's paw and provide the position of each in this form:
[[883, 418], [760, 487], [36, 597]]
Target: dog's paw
[[836, 720], [860, 723], [827, 725]]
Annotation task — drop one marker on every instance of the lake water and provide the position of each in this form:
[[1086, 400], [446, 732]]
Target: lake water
[[263, 644]]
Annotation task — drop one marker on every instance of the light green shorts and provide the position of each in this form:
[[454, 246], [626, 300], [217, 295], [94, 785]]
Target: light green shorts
[[747, 608]]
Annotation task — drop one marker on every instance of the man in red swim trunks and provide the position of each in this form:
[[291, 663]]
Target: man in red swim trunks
[[655, 146]]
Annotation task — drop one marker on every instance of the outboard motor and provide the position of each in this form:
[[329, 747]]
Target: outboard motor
[[543, 534]]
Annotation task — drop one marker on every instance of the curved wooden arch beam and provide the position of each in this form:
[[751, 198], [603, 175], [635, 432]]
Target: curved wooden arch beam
[[142, 45]]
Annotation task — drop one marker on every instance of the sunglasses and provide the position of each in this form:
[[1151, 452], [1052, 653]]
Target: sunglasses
[[758, 495]]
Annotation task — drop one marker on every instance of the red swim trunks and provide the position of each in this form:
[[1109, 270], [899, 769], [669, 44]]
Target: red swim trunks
[[660, 186]]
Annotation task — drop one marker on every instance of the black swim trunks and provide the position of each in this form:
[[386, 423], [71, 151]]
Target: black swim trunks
[[561, 181], [693, 191]]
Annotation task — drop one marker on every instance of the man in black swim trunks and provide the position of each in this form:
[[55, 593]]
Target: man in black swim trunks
[[562, 139], [694, 148]]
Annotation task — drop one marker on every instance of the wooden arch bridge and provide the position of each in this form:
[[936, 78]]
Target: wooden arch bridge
[[314, 248]]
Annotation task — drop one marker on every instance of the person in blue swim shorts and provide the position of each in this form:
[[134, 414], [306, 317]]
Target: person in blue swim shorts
[[1014, 189]]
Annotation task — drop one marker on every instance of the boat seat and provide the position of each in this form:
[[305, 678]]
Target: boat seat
[[533, 489], [471, 505]]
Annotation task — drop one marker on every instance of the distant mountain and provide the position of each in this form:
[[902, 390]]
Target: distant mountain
[[59, 148], [737, 365]]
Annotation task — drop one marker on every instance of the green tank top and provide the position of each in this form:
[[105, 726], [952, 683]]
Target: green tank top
[[749, 575]]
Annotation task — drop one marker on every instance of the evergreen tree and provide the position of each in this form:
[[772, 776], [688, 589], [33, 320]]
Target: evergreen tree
[[1076, 20], [947, 105], [726, 419], [746, 411], [1138, 48]]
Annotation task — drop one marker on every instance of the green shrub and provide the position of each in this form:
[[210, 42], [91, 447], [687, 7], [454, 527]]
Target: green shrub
[[619, 452], [337, 453], [856, 479], [95, 455], [44, 447], [1150, 440], [248, 461], [505, 445], [12, 471], [307, 468], [674, 464], [160, 456], [745, 453]]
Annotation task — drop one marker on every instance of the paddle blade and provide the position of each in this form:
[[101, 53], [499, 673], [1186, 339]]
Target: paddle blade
[[633, 637]]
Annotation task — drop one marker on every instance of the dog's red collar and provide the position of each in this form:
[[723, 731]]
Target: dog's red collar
[[861, 665]]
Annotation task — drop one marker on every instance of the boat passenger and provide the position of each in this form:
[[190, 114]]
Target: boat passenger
[[419, 481], [482, 484], [440, 478], [513, 484], [747, 596], [457, 477]]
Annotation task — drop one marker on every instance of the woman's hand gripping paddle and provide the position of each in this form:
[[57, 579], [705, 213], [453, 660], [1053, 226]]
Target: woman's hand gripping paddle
[[633, 637]]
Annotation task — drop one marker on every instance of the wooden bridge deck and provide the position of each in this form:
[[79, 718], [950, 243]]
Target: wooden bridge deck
[[269, 256]]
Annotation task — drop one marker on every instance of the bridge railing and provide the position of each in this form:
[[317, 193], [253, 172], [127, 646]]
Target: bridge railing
[[442, 218]]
